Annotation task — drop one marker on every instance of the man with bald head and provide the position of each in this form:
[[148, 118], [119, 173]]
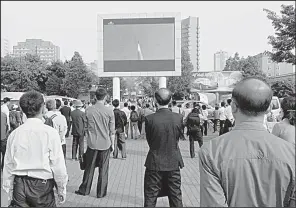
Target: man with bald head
[[164, 160], [247, 167]]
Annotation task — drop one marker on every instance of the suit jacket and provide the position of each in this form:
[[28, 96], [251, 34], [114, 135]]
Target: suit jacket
[[78, 122], [66, 111], [163, 130]]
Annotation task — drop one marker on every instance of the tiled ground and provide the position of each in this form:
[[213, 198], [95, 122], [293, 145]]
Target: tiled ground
[[126, 179]]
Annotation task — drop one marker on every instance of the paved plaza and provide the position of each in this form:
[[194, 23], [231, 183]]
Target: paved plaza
[[126, 179]]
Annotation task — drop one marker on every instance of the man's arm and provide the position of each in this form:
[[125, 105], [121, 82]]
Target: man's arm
[[8, 178], [147, 131], [57, 163], [211, 191], [112, 127], [124, 118]]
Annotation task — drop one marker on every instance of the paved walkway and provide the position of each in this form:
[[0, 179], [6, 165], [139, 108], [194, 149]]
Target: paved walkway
[[126, 179]]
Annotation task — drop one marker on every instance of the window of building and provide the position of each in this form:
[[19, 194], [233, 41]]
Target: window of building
[[269, 61], [269, 74]]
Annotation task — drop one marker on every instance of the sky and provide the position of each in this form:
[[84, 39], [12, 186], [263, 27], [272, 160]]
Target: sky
[[230, 26]]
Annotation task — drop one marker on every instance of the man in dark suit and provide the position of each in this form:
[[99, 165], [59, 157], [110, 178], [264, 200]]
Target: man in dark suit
[[78, 130], [164, 160], [66, 111]]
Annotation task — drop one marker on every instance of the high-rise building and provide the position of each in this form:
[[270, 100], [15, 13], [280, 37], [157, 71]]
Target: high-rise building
[[4, 47], [273, 69], [45, 49], [220, 59], [190, 39]]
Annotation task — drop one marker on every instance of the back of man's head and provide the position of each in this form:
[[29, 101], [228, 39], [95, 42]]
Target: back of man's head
[[133, 108], [51, 104], [222, 104], [147, 105], [32, 103], [66, 103], [58, 103], [125, 105], [252, 96], [101, 93], [204, 107], [163, 96], [229, 101], [115, 103], [174, 103]]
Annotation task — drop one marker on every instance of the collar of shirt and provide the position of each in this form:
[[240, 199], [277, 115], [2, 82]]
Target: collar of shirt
[[34, 120], [250, 125]]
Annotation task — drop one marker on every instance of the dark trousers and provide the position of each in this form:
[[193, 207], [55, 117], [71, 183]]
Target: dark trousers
[[134, 126], [215, 124], [205, 128], [157, 182], [3, 150], [93, 159], [32, 192], [191, 145], [64, 150], [140, 126], [77, 141], [69, 127], [222, 125], [119, 143], [227, 126]]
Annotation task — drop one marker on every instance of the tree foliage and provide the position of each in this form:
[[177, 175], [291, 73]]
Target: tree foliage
[[149, 85], [283, 42], [23, 74], [248, 66], [78, 78], [180, 85], [283, 87]]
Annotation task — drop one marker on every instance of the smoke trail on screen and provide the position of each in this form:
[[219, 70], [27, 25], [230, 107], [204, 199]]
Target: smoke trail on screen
[[140, 55]]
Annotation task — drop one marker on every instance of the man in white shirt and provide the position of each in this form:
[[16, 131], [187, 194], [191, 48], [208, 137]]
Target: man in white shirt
[[59, 121], [5, 109], [34, 161], [229, 117], [205, 115], [128, 114], [222, 118]]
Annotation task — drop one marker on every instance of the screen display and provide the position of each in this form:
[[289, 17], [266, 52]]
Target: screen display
[[135, 45]]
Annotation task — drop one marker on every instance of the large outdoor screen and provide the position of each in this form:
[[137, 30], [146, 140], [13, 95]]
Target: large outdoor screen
[[139, 44], [135, 45]]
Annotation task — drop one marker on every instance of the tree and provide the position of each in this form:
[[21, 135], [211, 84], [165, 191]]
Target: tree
[[78, 78], [283, 43], [23, 73], [149, 85], [56, 76], [283, 87], [180, 85], [249, 66]]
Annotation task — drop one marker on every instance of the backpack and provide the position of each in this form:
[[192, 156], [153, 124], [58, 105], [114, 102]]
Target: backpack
[[134, 116], [193, 123], [120, 120], [49, 120]]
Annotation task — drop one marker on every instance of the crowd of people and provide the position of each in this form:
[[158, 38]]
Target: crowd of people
[[246, 165]]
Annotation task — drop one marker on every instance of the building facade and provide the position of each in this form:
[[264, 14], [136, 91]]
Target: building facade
[[4, 47], [273, 69], [220, 59], [46, 50], [190, 39]]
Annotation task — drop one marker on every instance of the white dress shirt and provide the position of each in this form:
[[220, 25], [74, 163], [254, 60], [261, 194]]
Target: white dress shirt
[[205, 114], [228, 113], [5, 109], [222, 113], [127, 113], [59, 123], [34, 149]]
